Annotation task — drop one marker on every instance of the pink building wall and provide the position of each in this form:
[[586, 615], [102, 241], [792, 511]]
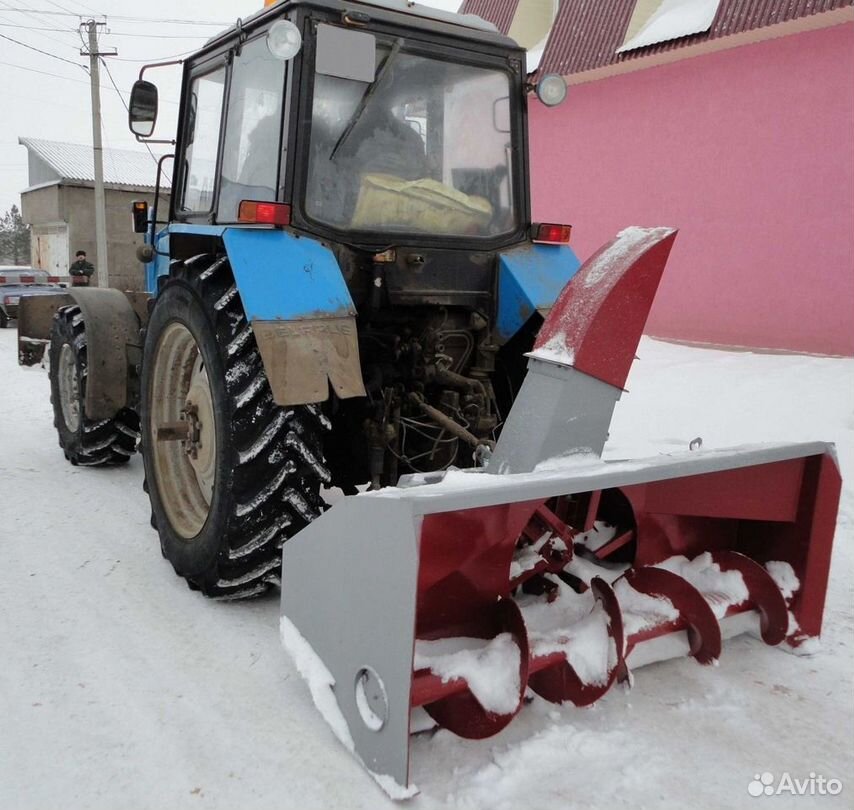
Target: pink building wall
[[750, 152]]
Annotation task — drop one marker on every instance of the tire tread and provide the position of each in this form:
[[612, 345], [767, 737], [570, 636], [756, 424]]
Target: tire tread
[[277, 463]]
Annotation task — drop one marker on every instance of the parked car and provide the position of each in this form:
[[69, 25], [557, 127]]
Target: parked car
[[16, 281]]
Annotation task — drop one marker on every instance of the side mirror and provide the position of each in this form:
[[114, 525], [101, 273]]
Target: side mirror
[[142, 110]]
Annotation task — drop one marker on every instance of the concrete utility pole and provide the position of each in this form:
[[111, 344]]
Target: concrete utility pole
[[101, 260]]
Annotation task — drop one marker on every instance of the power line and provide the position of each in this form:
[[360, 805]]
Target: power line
[[41, 22], [124, 104], [45, 11], [123, 18], [156, 36], [46, 53], [69, 11], [108, 33], [45, 73], [170, 22], [68, 79], [115, 86], [62, 8], [157, 59], [25, 12], [38, 28]]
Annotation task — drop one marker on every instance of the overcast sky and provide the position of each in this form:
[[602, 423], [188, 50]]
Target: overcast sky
[[45, 92]]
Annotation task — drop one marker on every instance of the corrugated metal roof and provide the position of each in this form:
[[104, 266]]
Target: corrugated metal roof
[[587, 33], [73, 161]]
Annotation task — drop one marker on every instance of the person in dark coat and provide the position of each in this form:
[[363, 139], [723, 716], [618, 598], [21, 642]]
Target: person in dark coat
[[81, 270]]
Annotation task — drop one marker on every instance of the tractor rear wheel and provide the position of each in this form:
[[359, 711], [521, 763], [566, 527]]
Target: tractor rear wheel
[[230, 474], [85, 441]]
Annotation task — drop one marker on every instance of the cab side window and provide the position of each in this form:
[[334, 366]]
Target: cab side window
[[253, 129], [204, 114]]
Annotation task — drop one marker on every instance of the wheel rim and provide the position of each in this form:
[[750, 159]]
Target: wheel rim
[[185, 469], [69, 389]]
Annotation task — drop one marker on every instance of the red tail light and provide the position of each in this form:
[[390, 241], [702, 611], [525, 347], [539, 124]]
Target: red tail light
[[53, 279], [28, 279], [547, 233], [2, 279], [264, 213]]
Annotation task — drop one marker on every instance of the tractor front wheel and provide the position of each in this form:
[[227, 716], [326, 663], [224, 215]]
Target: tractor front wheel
[[229, 473]]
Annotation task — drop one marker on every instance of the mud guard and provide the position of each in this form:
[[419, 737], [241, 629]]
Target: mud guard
[[301, 312], [530, 278], [113, 342], [35, 316]]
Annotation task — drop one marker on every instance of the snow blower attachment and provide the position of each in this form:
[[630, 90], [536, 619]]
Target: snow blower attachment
[[462, 593]]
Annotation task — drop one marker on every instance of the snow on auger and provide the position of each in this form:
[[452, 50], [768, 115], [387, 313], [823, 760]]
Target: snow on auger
[[343, 294]]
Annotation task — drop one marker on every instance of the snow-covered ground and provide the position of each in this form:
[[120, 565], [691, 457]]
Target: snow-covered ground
[[119, 687]]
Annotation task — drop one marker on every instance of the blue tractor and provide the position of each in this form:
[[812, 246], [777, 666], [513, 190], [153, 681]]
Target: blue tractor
[[344, 287]]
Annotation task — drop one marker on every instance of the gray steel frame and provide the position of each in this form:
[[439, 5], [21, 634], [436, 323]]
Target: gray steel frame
[[349, 580]]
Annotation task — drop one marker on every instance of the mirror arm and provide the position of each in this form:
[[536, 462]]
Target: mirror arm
[[158, 64], [154, 208]]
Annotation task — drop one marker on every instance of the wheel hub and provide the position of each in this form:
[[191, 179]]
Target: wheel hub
[[201, 443], [69, 389], [183, 426], [192, 430]]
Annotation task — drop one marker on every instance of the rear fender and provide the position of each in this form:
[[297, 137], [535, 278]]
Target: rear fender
[[301, 312], [113, 342], [35, 316], [530, 278]]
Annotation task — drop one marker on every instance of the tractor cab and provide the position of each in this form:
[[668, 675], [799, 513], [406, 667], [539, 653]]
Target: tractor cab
[[363, 124]]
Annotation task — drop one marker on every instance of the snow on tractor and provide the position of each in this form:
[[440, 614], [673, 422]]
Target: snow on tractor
[[349, 292]]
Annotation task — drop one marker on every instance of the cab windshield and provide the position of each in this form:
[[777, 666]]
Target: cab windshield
[[412, 144]]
